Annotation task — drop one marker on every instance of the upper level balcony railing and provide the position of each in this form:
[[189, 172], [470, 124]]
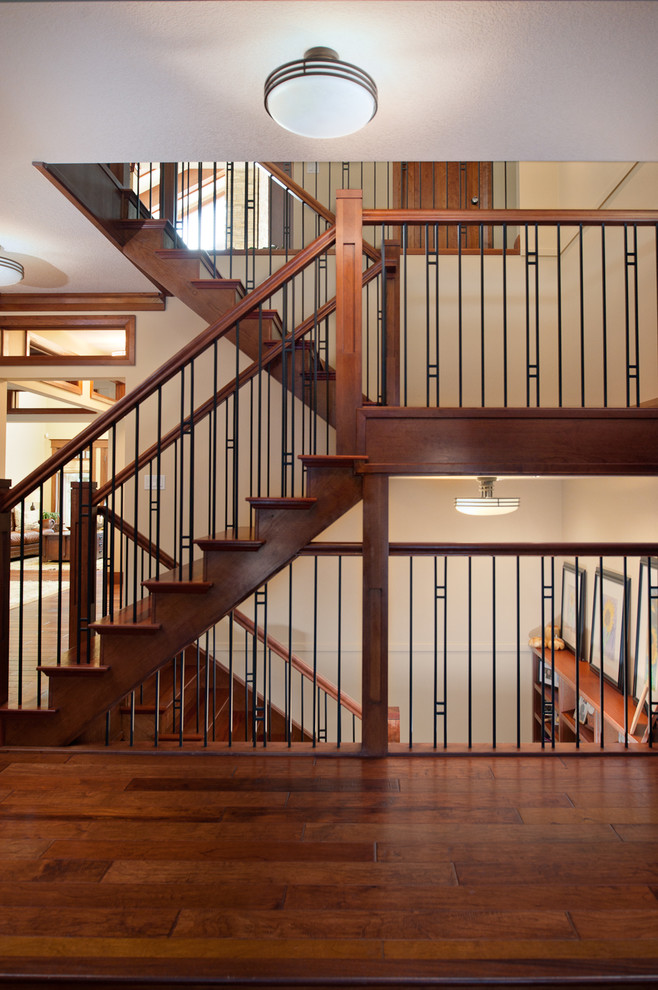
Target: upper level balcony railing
[[563, 316]]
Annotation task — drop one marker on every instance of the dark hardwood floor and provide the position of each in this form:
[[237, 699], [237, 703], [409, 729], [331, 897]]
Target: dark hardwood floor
[[190, 870]]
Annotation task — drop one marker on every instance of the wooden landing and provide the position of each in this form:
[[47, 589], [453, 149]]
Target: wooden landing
[[179, 869]]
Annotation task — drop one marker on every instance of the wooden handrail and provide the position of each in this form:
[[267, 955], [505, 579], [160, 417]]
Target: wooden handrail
[[312, 202], [246, 375], [142, 541], [515, 218], [242, 620], [416, 549], [170, 368], [304, 669]]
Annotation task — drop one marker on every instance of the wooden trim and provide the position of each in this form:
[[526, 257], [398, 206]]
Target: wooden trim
[[571, 218], [125, 323], [74, 386], [54, 412], [32, 302]]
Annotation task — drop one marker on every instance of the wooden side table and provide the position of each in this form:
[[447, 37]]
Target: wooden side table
[[51, 545]]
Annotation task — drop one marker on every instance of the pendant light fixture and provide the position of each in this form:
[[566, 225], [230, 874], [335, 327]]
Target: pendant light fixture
[[319, 96], [486, 504], [11, 271]]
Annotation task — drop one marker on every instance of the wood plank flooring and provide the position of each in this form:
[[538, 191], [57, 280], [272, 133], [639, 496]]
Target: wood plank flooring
[[203, 869]]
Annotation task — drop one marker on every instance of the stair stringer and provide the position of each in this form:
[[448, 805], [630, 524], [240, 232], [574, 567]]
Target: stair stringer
[[169, 623]]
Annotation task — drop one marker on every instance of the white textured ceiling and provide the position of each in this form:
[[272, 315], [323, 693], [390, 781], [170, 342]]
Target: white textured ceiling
[[170, 80]]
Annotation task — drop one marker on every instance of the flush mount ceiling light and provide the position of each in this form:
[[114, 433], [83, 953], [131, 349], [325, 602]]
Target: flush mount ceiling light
[[486, 504], [11, 271], [319, 96]]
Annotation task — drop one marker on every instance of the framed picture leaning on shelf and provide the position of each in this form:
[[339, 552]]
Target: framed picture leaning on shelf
[[646, 639], [611, 595], [573, 607]]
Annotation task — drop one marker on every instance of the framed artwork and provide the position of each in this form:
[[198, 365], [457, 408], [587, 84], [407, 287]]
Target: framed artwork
[[609, 624], [573, 607], [646, 639]]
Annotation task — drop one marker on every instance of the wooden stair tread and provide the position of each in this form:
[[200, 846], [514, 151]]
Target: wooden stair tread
[[186, 254], [73, 670], [171, 585], [233, 284], [284, 502], [6, 712], [331, 460], [212, 543], [126, 628]]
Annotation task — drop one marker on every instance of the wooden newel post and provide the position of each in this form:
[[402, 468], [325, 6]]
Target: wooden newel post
[[374, 699], [5, 578], [349, 254], [391, 255], [82, 605]]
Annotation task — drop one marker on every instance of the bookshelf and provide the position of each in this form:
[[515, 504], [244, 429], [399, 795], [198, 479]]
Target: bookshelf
[[559, 715]]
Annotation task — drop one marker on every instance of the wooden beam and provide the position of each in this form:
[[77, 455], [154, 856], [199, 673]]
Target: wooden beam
[[55, 302], [509, 441], [374, 691]]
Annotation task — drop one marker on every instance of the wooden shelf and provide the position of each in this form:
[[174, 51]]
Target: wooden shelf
[[585, 685]]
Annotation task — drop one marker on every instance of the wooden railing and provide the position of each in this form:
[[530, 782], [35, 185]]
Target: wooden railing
[[127, 422]]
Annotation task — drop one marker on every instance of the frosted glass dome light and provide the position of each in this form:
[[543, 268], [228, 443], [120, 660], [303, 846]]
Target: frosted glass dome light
[[486, 504], [319, 96]]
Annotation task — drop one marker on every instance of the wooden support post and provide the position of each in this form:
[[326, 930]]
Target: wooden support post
[[349, 248], [5, 561], [82, 603], [168, 178], [391, 255], [375, 615]]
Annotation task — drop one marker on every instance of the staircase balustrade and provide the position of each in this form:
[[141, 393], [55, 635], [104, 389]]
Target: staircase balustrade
[[234, 411], [559, 313]]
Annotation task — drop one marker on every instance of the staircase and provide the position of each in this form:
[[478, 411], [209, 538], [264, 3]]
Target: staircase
[[128, 647], [133, 646]]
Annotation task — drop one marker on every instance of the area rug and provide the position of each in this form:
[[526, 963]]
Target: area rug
[[33, 570]]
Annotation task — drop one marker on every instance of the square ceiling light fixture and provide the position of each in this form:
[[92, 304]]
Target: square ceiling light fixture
[[319, 96], [486, 504]]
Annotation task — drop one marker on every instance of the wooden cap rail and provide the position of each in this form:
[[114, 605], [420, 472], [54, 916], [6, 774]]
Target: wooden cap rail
[[514, 218], [417, 549]]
